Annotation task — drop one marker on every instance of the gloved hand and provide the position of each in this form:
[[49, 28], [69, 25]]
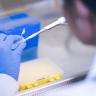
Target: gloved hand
[[10, 59]]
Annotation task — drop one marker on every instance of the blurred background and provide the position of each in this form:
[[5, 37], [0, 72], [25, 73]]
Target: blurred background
[[58, 44]]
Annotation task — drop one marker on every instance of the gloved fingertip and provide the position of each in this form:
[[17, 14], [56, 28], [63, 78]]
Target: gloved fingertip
[[20, 48], [23, 45], [2, 37]]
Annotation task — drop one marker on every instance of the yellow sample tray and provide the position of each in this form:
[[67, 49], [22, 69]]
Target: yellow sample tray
[[34, 74]]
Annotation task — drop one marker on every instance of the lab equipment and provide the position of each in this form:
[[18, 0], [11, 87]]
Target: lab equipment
[[14, 24], [10, 60], [38, 72], [40, 82], [57, 22], [39, 91]]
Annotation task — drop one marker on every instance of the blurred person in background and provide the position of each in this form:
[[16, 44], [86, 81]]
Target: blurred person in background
[[81, 17]]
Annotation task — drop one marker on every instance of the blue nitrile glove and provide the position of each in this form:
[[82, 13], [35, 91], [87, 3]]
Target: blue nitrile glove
[[10, 59]]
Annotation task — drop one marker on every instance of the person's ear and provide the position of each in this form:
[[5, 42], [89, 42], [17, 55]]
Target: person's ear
[[81, 9]]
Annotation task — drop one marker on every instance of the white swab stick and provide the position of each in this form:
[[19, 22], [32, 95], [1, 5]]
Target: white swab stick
[[57, 22]]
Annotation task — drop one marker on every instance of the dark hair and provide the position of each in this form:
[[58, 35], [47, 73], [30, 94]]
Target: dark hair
[[68, 5], [91, 4]]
